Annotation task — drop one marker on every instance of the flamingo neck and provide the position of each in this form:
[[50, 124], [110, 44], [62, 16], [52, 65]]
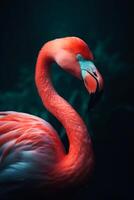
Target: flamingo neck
[[80, 155]]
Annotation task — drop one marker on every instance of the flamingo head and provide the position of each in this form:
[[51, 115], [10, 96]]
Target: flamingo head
[[76, 58]]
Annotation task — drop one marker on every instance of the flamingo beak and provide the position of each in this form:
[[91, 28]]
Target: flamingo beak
[[92, 79]]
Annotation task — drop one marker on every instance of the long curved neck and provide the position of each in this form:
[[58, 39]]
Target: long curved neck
[[80, 155]]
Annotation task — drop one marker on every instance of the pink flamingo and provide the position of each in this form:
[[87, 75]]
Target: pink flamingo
[[30, 148]]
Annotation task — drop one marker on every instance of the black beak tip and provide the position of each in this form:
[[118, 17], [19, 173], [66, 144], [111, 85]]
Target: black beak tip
[[94, 98]]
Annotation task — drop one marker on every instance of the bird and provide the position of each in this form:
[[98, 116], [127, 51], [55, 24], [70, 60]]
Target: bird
[[31, 151]]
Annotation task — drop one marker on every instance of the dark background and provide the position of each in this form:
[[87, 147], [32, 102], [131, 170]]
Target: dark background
[[105, 26]]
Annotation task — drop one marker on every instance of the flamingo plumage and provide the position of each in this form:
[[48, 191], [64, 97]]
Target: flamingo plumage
[[31, 151]]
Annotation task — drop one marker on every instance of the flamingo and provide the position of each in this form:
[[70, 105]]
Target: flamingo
[[31, 152]]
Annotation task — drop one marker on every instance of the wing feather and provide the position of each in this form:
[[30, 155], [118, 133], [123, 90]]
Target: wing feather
[[29, 146]]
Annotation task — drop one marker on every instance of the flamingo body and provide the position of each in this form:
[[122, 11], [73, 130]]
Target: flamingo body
[[28, 145], [31, 152]]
